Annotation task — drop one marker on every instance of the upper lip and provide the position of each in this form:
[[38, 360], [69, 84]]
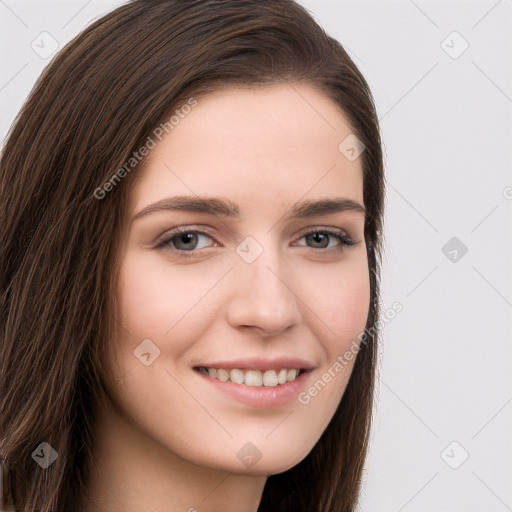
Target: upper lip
[[260, 363]]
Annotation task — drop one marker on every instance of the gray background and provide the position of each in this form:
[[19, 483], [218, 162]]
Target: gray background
[[442, 434]]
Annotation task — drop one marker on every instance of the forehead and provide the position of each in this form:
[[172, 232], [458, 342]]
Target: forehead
[[262, 146]]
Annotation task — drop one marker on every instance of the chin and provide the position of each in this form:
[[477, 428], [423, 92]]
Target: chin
[[265, 462]]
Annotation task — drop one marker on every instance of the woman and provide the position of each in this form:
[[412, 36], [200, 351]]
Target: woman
[[193, 199]]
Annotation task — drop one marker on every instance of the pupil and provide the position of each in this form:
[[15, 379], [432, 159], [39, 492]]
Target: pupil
[[322, 237], [185, 238]]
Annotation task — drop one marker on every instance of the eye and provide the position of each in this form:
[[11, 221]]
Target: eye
[[321, 239], [184, 239]]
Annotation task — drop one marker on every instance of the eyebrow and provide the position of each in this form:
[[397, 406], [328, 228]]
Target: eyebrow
[[227, 208]]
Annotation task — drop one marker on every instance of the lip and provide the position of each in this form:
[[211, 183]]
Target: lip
[[260, 363], [260, 397]]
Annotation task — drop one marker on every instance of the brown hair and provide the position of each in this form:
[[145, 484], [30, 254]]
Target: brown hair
[[94, 105]]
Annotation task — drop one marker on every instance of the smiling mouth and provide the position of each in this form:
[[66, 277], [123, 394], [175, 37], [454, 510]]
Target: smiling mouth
[[254, 378]]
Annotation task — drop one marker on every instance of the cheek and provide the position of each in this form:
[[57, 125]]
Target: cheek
[[339, 310], [148, 307], [157, 301], [147, 295], [341, 302]]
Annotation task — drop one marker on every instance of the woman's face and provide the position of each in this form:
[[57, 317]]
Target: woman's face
[[252, 282]]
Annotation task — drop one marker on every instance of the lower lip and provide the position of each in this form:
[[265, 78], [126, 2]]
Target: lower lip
[[261, 397]]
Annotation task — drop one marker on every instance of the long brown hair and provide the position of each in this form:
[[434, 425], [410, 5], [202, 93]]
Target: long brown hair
[[94, 105]]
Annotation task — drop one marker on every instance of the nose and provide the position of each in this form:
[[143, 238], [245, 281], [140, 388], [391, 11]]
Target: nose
[[263, 297]]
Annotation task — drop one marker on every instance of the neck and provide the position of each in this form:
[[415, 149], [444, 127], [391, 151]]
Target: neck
[[133, 472]]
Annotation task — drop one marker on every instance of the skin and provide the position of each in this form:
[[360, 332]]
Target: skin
[[169, 441]]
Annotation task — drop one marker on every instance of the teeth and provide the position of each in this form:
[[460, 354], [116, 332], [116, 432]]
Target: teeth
[[270, 378], [222, 374], [291, 375], [237, 376], [255, 378]]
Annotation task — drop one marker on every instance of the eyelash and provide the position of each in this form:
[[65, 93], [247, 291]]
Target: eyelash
[[164, 244]]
